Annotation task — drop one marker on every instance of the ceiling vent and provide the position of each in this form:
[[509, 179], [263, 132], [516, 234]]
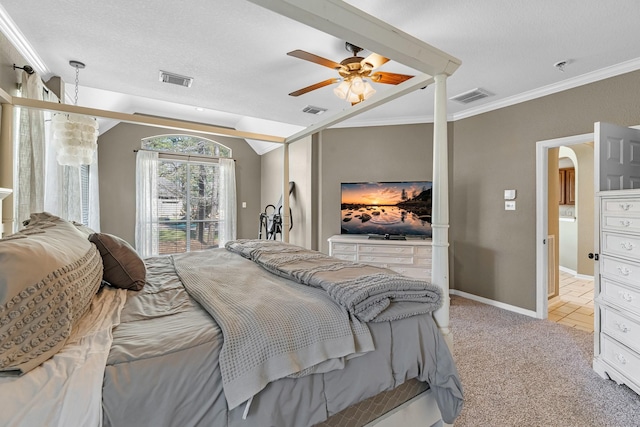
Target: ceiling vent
[[175, 79], [471, 96], [313, 110]]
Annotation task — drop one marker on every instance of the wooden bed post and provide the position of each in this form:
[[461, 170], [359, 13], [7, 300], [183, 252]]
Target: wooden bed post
[[440, 213], [286, 218]]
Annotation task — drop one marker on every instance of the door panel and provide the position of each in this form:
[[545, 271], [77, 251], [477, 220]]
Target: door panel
[[619, 157]]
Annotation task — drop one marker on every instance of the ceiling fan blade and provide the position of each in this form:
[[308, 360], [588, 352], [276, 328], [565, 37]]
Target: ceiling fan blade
[[314, 87], [375, 60], [389, 78], [314, 58]]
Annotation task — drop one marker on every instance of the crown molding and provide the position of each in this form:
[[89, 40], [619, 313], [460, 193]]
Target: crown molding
[[604, 73], [24, 48], [584, 79]]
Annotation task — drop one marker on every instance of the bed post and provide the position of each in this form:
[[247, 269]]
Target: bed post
[[286, 218], [6, 164], [440, 196]]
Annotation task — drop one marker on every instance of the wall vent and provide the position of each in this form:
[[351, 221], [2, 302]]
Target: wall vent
[[313, 110], [175, 79], [471, 96]]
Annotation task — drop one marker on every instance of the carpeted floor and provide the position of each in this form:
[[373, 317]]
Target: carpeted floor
[[520, 371]]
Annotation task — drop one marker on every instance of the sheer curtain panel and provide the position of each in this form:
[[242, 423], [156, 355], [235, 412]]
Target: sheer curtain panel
[[30, 184], [147, 231], [227, 215]]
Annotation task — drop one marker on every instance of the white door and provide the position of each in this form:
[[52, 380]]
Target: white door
[[617, 152]]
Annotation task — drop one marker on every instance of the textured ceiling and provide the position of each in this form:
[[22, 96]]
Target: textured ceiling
[[236, 53]]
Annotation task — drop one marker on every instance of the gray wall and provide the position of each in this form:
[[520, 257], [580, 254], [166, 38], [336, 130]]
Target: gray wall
[[303, 200], [117, 161], [494, 249], [384, 153]]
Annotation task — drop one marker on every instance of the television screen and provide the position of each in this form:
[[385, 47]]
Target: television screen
[[380, 208]]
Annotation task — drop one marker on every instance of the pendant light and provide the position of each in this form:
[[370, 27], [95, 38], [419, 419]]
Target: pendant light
[[75, 135]]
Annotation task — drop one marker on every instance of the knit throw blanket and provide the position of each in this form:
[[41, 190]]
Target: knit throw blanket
[[371, 294], [272, 328]]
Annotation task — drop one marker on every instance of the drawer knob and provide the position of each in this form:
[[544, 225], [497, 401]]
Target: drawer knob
[[621, 358], [626, 296], [624, 271], [625, 222], [627, 245], [625, 206], [623, 328]]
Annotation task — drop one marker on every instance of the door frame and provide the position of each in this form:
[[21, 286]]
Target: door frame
[[542, 217]]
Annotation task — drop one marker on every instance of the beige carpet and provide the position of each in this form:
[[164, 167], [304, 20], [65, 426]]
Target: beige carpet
[[520, 371]]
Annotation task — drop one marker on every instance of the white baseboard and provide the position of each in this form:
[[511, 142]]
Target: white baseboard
[[567, 270], [493, 303], [575, 273]]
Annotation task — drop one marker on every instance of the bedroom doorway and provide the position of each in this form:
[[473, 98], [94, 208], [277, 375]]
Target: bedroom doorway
[[549, 276]]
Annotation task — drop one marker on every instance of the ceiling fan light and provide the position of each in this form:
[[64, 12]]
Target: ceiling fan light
[[353, 97], [357, 85], [368, 90], [342, 90]]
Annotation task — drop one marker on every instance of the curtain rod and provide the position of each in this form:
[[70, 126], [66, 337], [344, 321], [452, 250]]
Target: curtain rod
[[188, 156]]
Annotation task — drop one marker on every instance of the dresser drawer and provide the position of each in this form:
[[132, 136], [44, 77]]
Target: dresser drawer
[[621, 205], [621, 327], [423, 251], [343, 247], [619, 244], [622, 358], [627, 272], [385, 249], [345, 257], [622, 296], [620, 223], [386, 259]]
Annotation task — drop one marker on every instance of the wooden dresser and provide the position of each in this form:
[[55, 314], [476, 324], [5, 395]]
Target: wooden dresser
[[617, 289], [409, 257]]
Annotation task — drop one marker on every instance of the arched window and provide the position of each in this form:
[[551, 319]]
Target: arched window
[[186, 144], [189, 207]]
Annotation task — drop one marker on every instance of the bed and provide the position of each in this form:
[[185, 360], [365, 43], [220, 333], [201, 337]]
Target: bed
[[159, 349]]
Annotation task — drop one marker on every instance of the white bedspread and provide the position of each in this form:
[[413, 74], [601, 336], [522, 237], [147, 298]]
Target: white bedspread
[[66, 390]]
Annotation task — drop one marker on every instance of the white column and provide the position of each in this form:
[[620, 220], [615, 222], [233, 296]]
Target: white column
[[440, 202], [6, 168], [286, 218]]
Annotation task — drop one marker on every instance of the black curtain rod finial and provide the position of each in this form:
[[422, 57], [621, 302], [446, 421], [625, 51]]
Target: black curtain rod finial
[[27, 68]]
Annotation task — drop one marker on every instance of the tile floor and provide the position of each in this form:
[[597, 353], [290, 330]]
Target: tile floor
[[574, 305]]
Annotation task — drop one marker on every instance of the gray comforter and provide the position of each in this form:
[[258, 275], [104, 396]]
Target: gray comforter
[[163, 368], [272, 328], [372, 294]]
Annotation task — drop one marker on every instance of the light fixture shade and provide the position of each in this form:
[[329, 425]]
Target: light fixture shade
[[357, 85], [342, 89], [368, 90], [75, 137], [353, 97]]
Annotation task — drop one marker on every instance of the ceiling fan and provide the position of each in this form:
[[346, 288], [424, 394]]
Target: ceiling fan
[[353, 73]]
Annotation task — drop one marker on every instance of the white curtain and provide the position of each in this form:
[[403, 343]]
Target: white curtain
[[30, 185], [227, 214], [147, 203]]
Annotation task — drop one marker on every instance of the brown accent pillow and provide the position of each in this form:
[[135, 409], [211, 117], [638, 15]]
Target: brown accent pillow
[[123, 268]]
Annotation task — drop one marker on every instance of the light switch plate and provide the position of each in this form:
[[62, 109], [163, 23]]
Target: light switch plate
[[509, 194], [510, 205]]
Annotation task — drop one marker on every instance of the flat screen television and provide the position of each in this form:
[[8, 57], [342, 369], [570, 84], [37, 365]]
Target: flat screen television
[[386, 208]]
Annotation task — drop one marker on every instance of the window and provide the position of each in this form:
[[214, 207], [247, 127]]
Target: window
[[189, 193]]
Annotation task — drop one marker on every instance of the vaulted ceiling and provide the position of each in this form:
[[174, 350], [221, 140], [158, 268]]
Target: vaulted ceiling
[[236, 52]]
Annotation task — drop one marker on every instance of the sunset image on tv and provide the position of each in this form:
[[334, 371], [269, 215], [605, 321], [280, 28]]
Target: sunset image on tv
[[394, 208]]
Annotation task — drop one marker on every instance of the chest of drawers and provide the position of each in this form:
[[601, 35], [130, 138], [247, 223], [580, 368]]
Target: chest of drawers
[[617, 289], [409, 257]]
